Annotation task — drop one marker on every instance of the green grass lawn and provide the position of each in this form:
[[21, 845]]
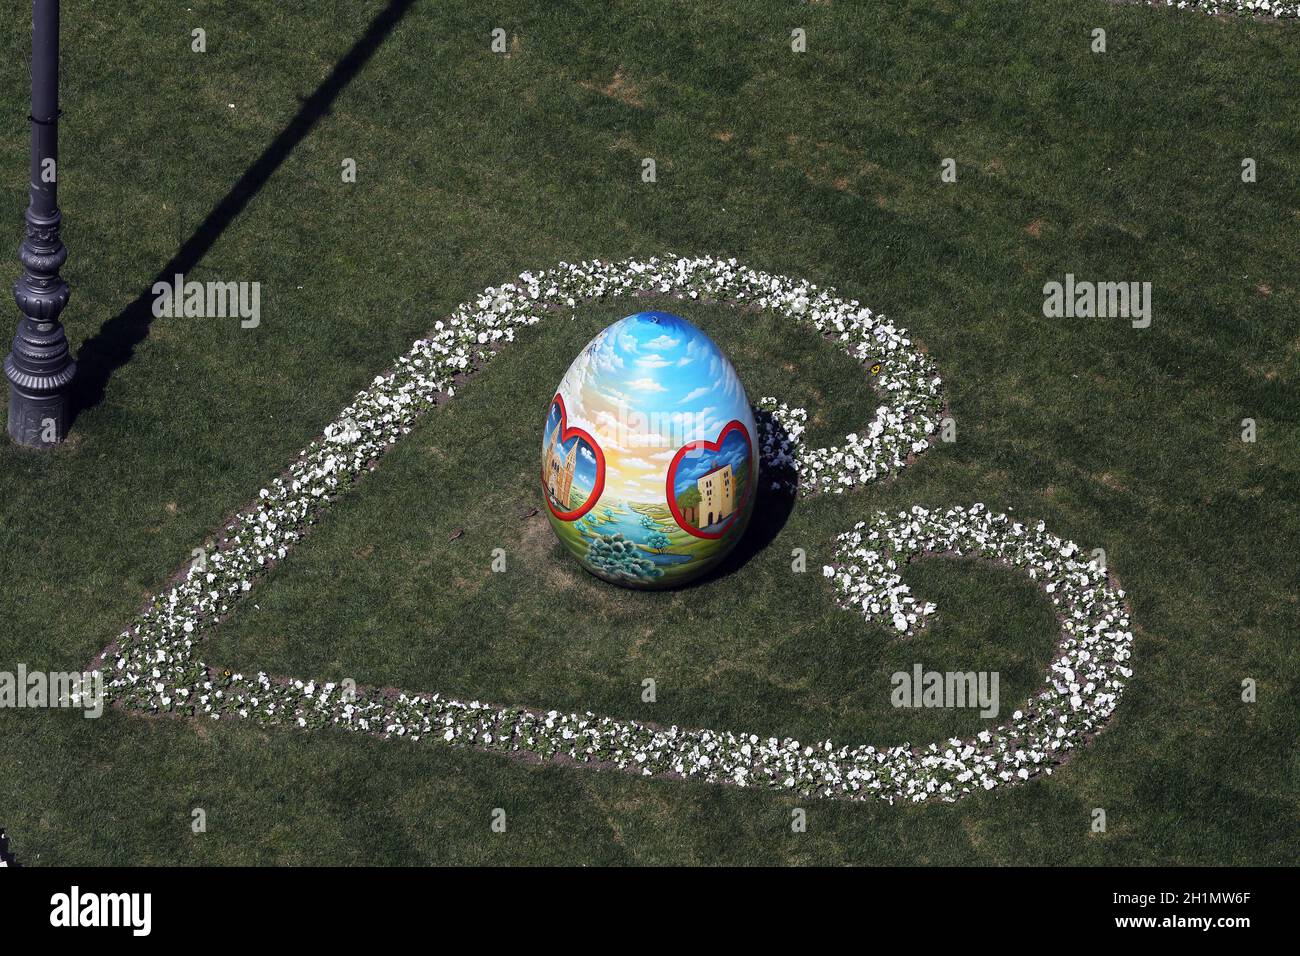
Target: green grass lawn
[[473, 167]]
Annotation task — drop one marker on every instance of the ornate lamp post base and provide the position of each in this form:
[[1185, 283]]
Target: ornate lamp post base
[[38, 405], [39, 369]]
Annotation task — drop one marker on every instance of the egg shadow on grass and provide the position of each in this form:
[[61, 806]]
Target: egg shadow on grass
[[772, 508]]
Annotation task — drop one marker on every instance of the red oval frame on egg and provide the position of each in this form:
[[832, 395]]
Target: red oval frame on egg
[[582, 435], [733, 425]]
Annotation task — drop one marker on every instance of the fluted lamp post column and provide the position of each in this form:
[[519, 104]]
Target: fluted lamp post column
[[40, 369]]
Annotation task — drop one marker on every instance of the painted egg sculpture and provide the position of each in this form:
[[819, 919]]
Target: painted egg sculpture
[[649, 457]]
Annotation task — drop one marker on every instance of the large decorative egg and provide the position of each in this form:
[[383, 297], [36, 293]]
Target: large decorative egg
[[649, 456]]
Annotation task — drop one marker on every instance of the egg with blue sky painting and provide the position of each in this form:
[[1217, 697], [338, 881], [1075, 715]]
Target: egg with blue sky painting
[[649, 454]]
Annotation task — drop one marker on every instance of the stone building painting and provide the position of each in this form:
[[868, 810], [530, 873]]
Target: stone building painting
[[709, 482], [717, 496]]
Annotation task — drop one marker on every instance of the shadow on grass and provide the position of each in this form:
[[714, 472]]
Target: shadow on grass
[[114, 344]]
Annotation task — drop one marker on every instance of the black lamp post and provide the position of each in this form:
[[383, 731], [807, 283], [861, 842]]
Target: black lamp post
[[40, 369]]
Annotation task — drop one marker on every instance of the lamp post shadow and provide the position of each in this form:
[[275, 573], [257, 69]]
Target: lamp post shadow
[[114, 344]]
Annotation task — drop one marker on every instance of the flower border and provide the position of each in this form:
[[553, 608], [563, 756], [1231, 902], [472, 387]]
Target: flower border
[[1276, 9], [155, 664]]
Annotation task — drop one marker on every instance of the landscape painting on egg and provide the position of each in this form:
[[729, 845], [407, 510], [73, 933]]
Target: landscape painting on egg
[[669, 421]]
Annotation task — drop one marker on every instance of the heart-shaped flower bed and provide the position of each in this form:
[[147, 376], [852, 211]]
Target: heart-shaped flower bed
[[155, 665]]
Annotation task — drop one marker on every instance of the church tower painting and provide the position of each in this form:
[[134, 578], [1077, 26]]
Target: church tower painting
[[559, 471]]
